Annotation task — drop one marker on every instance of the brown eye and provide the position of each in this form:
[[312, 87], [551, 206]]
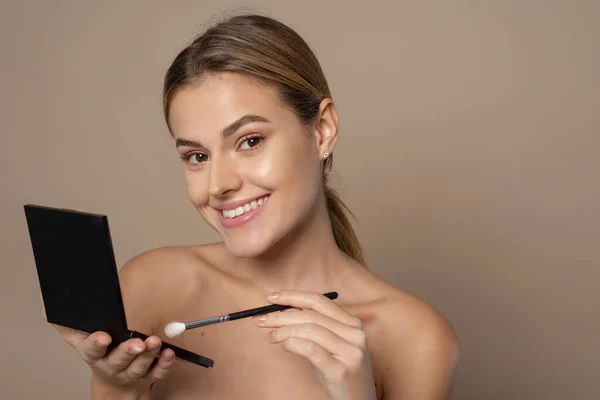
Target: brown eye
[[250, 143], [196, 158]]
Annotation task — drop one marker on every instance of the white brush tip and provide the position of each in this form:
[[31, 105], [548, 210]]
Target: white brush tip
[[174, 329]]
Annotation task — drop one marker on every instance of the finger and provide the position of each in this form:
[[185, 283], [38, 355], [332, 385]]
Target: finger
[[314, 301], [317, 334], [121, 357], [94, 347], [163, 366], [141, 364], [320, 358], [346, 332]]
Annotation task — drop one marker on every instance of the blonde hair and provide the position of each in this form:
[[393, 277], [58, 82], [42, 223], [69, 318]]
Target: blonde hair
[[270, 51]]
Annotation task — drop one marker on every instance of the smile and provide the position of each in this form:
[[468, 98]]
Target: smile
[[241, 210]]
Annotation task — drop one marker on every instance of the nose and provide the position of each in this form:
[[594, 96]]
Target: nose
[[223, 177]]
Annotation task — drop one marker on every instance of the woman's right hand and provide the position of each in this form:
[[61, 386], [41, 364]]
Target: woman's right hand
[[126, 370]]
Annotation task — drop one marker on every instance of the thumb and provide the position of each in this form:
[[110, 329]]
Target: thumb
[[43, 307], [71, 336]]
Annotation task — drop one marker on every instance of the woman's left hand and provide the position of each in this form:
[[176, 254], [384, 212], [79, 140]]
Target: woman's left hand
[[332, 339]]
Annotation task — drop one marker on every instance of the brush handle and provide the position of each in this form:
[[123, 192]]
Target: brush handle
[[268, 309], [256, 311]]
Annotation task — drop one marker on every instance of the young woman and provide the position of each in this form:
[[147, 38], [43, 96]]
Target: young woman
[[255, 125]]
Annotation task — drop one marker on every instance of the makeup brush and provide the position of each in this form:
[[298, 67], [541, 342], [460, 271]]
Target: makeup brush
[[177, 328]]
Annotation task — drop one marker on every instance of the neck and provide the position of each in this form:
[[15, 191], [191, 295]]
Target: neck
[[306, 259]]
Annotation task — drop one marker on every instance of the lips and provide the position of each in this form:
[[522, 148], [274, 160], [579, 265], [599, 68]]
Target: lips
[[235, 214], [245, 208]]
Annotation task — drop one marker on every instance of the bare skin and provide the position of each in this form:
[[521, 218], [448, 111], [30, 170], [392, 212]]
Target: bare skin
[[413, 349], [375, 341]]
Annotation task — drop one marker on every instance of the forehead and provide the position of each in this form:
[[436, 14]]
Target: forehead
[[218, 100]]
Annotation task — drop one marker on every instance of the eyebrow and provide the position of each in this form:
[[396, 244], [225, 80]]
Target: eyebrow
[[228, 131]]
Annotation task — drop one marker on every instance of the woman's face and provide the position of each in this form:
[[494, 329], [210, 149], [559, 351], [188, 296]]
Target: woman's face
[[252, 170]]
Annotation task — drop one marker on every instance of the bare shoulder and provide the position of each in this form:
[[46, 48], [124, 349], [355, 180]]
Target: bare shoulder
[[415, 346], [156, 280], [157, 269], [408, 319]]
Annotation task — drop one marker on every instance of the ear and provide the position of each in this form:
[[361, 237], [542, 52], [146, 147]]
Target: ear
[[326, 127]]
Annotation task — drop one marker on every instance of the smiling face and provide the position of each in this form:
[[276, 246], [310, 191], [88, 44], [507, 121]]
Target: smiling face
[[252, 170]]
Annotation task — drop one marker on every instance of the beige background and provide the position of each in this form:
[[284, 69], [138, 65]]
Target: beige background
[[469, 153]]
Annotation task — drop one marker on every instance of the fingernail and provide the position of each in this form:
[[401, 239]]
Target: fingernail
[[273, 296], [271, 336], [136, 349], [153, 347], [169, 357], [261, 318]]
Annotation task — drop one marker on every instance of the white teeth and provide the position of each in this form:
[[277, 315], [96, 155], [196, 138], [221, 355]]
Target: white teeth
[[229, 213], [254, 204]]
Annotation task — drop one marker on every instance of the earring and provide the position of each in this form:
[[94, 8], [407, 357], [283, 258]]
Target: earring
[[325, 155]]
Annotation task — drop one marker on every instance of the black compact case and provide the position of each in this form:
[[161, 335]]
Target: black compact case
[[78, 275]]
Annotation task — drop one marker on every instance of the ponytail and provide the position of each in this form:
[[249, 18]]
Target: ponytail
[[343, 232]]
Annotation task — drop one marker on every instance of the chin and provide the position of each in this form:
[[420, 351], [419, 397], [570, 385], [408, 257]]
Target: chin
[[252, 241], [245, 247]]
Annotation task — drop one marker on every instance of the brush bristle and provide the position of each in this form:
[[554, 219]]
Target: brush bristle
[[174, 329]]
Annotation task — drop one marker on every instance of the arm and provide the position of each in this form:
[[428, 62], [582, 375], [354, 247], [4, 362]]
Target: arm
[[422, 359]]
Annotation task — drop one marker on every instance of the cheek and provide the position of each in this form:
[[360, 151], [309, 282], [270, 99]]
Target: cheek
[[290, 169], [196, 186]]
